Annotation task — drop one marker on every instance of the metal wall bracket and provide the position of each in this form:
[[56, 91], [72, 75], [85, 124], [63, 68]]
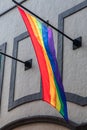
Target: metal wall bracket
[[77, 43], [28, 64]]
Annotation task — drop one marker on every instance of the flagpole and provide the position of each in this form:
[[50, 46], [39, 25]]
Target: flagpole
[[28, 64], [42, 20], [76, 43]]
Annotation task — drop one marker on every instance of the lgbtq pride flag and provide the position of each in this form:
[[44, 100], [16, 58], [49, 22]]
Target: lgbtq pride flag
[[42, 40]]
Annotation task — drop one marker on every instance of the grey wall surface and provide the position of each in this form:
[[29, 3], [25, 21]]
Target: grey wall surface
[[20, 104]]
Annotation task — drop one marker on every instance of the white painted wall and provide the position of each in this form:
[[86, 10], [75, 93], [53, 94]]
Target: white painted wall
[[74, 78]]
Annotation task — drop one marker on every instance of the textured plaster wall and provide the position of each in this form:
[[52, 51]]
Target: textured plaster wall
[[4, 5], [11, 25], [75, 62], [75, 68], [29, 78]]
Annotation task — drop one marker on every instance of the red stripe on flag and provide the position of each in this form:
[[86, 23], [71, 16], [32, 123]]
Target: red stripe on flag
[[40, 57]]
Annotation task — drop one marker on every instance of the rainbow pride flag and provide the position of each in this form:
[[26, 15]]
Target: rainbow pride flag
[[42, 40]]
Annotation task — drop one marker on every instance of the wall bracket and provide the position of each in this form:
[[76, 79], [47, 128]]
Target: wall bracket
[[28, 64], [77, 43]]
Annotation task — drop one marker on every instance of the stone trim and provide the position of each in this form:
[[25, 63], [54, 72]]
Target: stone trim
[[40, 119], [3, 49]]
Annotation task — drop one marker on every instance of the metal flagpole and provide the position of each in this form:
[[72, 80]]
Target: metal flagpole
[[76, 42], [28, 64]]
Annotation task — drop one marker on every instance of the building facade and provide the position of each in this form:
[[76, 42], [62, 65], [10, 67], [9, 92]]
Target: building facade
[[21, 107]]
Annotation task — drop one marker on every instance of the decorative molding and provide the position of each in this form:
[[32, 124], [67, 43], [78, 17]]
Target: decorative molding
[[11, 8], [40, 119], [77, 99], [71, 97], [44, 119], [36, 96], [3, 49]]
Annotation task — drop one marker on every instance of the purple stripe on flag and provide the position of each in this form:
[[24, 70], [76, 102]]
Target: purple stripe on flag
[[52, 49]]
